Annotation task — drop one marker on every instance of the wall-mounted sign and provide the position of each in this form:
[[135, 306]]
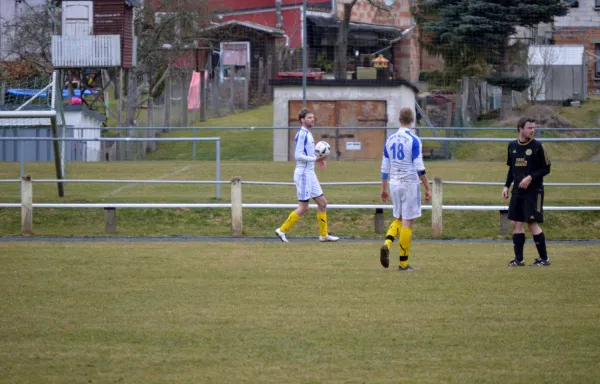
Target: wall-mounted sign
[[353, 146]]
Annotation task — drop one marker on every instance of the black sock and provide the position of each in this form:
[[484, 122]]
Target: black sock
[[540, 244], [518, 243]]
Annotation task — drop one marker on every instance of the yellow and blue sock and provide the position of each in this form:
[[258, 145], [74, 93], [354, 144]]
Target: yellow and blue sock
[[405, 242], [392, 233]]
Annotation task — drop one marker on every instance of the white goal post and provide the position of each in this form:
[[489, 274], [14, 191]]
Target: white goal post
[[29, 109]]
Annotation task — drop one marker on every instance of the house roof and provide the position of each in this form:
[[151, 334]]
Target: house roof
[[244, 24], [556, 55], [328, 21]]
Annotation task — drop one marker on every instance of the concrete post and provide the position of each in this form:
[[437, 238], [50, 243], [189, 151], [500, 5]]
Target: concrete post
[[110, 220], [436, 208], [236, 206], [26, 206]]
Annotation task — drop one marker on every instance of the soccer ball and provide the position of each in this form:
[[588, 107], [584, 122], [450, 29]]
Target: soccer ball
[[322, 149]]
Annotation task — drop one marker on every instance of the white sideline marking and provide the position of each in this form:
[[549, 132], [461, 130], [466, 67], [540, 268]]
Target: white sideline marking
[[120, 189]]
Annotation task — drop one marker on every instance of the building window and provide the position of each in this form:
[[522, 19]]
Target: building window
[[597, 60], [575, 3]]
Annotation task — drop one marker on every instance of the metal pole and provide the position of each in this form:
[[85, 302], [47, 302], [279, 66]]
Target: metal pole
[[304, 53], [218, 169], [22, 157]]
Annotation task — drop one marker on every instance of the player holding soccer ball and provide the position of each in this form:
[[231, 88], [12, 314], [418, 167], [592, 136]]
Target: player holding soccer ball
[[305, 178], [402, 164]]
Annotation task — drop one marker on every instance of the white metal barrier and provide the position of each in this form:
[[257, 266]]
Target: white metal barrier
[[236, 205], [60, 182]]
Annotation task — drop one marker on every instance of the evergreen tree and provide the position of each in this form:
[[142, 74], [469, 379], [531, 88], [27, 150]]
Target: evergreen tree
[[474, 36]]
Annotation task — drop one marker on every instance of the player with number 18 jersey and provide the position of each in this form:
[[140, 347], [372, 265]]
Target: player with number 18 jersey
[[402, 163]]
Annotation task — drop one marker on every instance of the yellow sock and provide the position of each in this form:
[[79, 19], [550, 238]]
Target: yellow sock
[[405, 241], [393, 232], [322, 219], [290, 222]]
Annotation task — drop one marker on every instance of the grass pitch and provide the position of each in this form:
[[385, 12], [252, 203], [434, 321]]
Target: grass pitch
[[295, 313]]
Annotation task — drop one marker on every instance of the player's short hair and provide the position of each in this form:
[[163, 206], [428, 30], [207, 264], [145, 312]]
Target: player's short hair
[[406, 116], [303, 113], [524, 120]]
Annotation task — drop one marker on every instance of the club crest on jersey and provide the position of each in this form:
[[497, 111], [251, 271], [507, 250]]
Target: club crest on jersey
[[528, 152]]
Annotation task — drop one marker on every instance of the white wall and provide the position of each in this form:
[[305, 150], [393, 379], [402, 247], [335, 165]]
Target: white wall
[[81, 121], [396, 97]]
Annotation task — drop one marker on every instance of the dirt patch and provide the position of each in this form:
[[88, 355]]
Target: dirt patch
[[544, 116]]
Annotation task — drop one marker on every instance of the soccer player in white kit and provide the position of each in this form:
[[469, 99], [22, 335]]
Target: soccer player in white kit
[[402, 164], [307, 183]]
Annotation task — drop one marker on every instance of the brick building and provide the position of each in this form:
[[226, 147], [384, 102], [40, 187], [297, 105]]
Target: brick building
[[582, 26], [371, 29]]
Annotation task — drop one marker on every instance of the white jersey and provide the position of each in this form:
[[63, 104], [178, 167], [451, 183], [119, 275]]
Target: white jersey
[[402, 160], [305, 151]]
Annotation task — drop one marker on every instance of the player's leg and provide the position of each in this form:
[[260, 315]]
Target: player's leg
[[324, 235], [303, 194], [516, 215], [535, 204], [411, 210], [321, 201], [396, 194]]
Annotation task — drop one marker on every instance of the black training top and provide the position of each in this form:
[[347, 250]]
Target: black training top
[[527, 159]]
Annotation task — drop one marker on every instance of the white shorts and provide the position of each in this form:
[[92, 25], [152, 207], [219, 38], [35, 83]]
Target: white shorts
[[406, 198], [307, 186]]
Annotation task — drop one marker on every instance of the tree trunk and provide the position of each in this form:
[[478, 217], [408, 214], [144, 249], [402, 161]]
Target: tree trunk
[[506, 101], [132, 98], [341, 56]]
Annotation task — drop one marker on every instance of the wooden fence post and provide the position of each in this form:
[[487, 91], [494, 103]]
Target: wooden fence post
[[379, 221], [110, 220], [216, 97], [167, 100], [185, 87], [436, 208], [26, 206], [504, 223], [202, 95], [236, 206], [231, 92]]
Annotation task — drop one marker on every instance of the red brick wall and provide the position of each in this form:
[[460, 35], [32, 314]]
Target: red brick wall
[[588, 37], [364, 12]]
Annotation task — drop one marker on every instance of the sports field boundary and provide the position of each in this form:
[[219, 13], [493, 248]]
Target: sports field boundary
[[221, 239]]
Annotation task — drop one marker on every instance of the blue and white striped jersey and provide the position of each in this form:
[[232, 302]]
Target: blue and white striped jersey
[[402, 158], [305, 151]]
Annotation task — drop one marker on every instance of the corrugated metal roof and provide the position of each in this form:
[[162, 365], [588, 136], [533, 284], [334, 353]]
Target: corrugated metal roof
[[556, 55]]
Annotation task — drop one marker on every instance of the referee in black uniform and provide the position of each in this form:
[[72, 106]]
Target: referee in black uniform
[[528, 164]]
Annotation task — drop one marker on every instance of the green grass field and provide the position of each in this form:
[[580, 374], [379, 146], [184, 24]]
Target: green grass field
[[262, 222], [295, 313]]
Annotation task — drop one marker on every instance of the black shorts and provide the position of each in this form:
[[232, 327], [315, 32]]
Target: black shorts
[[527, 207]]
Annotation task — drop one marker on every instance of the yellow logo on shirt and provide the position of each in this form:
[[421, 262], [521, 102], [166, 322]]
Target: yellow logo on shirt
[[520, 162]]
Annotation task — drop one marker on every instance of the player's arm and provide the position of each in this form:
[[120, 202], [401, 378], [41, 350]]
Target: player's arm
[[385, 173], [509, 175], [300, 153], [544, 161], [420, 166]]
